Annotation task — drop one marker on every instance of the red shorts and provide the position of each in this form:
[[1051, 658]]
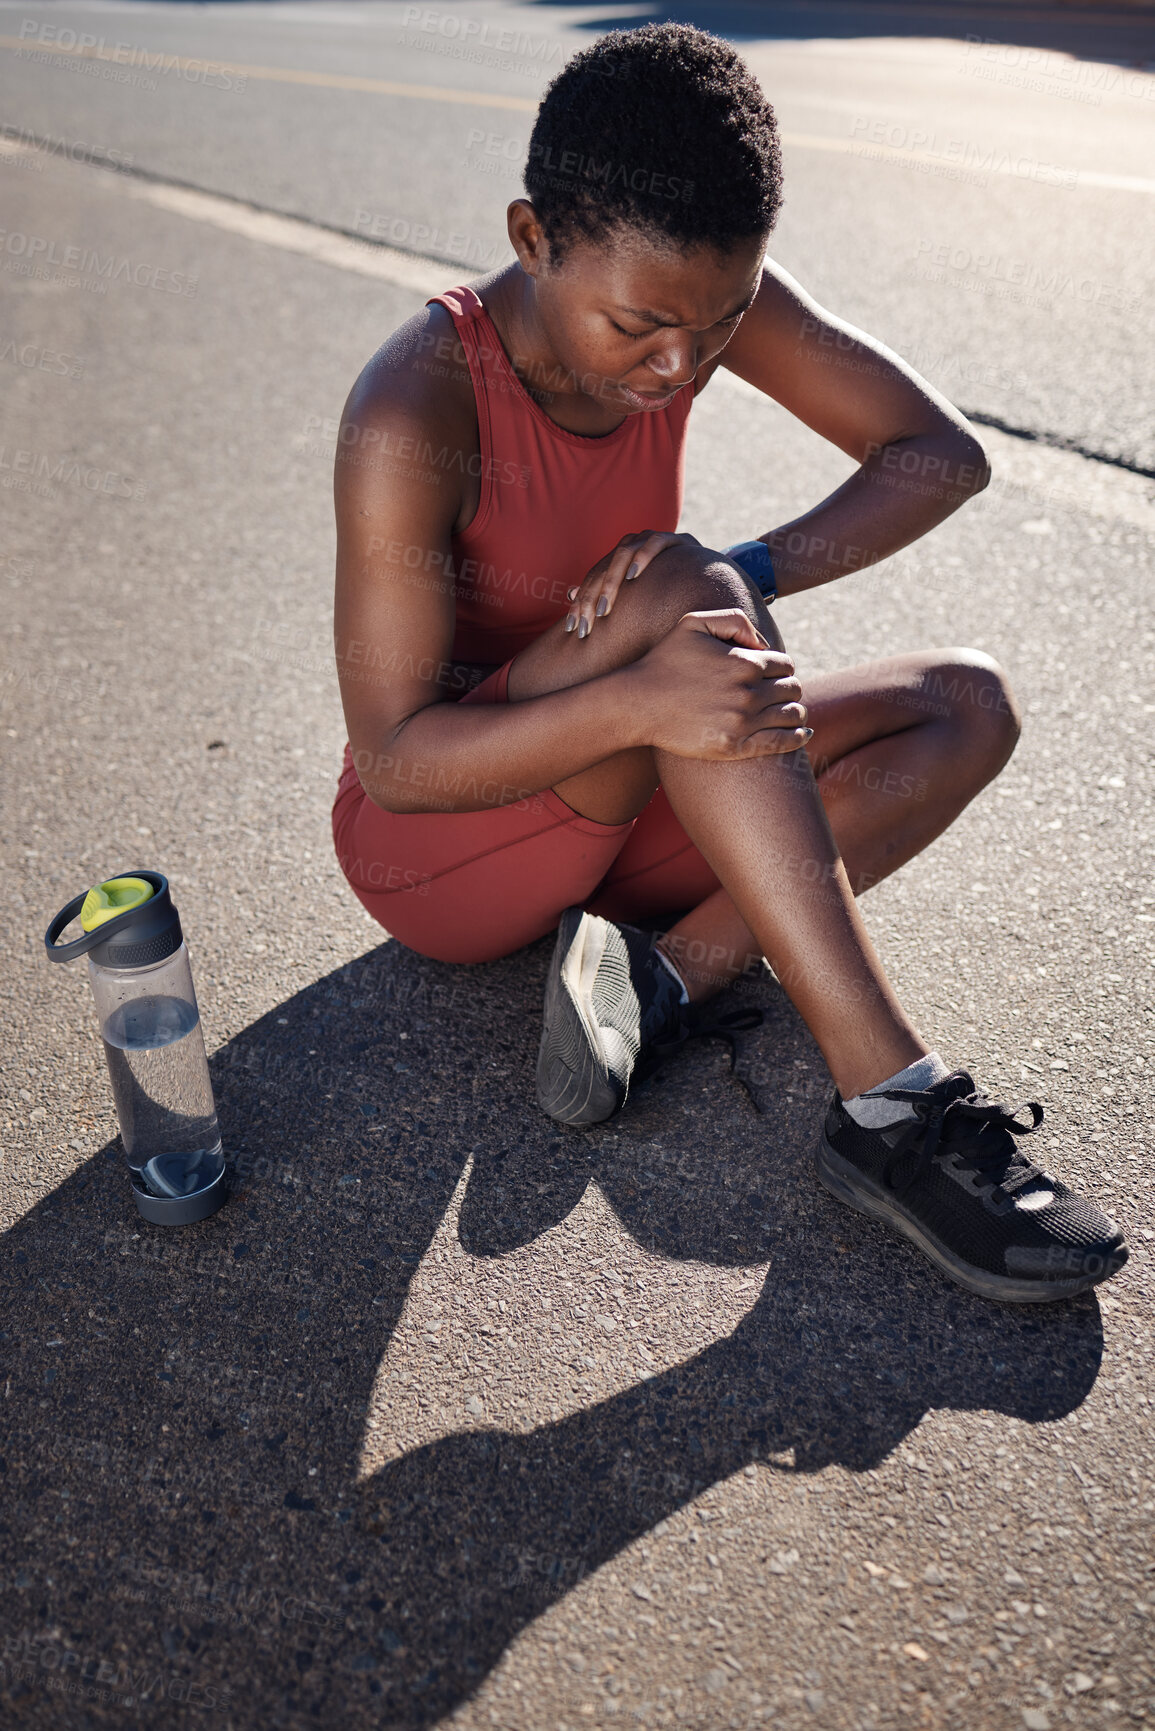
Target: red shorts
[[471, 886]]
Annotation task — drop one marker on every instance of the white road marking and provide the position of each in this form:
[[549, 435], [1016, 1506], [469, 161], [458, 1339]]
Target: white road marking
[[343, 252]]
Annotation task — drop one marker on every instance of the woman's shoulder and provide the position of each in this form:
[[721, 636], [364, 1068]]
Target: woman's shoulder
[[419, 378]]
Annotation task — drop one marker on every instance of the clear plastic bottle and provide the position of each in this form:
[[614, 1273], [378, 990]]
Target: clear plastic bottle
[[151, 1029], [138, 967]]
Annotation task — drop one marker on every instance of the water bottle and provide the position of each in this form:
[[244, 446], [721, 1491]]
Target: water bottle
[[138, 967]]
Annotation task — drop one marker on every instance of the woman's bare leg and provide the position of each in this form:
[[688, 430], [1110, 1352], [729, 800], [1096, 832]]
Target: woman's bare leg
[[900, 747], [759, 823]]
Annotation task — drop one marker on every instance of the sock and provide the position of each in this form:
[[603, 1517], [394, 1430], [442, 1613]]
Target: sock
[[663, 957], [876, 1114]]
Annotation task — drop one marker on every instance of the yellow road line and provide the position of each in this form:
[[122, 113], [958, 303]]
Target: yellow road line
[[150, 61]]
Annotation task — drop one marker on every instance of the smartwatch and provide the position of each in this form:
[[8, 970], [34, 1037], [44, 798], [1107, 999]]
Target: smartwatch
[[753, 557]]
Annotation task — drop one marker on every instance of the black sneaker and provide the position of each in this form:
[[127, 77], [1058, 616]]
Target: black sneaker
[[952, 1180], [613, 1014]]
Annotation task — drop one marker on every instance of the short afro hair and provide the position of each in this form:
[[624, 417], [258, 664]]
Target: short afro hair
[[662, 129]]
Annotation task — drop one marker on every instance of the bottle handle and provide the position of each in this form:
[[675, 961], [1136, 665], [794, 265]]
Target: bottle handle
[[100, 934], [79, 946]]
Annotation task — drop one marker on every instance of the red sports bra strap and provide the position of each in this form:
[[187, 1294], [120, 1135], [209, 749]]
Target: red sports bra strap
[[465, 309]]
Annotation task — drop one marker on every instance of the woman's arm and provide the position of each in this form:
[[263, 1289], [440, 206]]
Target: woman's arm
[[396, 508], [919, 457]]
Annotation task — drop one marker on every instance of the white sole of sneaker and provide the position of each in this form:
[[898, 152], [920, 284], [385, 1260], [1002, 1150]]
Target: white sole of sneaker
[[573, 1086], [851, 1186], [579, 971]]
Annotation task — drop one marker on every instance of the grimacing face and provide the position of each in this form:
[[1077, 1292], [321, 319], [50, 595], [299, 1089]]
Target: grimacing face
[[634, 317]]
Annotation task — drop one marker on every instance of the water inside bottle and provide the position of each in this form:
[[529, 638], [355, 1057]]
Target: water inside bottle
[[164, 1099]]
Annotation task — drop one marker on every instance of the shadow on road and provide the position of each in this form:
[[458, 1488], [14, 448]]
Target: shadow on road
[[184, 1410], [1096, 32], [1122, 34]]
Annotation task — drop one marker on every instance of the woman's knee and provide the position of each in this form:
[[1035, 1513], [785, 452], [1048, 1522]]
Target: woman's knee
[[975, 692], [678, 581], [689, 580]]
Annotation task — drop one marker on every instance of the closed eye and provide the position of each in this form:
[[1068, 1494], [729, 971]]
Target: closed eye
[[636, 336]]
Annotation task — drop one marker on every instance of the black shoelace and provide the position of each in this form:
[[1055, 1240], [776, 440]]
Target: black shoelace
[[686, 1024], [726, 1026], [942, 1121]]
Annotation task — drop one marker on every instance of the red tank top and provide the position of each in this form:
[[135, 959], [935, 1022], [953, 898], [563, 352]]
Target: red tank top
[[552, 502]]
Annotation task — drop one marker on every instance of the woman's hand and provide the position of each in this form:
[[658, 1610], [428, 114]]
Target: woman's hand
[[713, 688], [593, 597]]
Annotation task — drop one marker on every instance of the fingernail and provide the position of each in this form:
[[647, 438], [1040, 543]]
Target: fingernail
[[807, 735], [571, 594], [603, 606], [584, 628], [632, 572], [571, 621]]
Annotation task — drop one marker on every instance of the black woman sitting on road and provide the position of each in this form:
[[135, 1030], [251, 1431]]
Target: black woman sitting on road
[[564, 714]]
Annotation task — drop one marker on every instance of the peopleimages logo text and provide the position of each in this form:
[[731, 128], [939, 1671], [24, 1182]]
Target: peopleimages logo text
[[571, 165], [85, 261], [62, 39], [91, 1674], [962, 154]]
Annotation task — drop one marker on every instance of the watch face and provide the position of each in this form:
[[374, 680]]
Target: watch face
[[754, 558]]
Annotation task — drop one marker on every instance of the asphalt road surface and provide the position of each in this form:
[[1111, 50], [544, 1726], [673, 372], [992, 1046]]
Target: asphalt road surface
[[450, 1416]]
